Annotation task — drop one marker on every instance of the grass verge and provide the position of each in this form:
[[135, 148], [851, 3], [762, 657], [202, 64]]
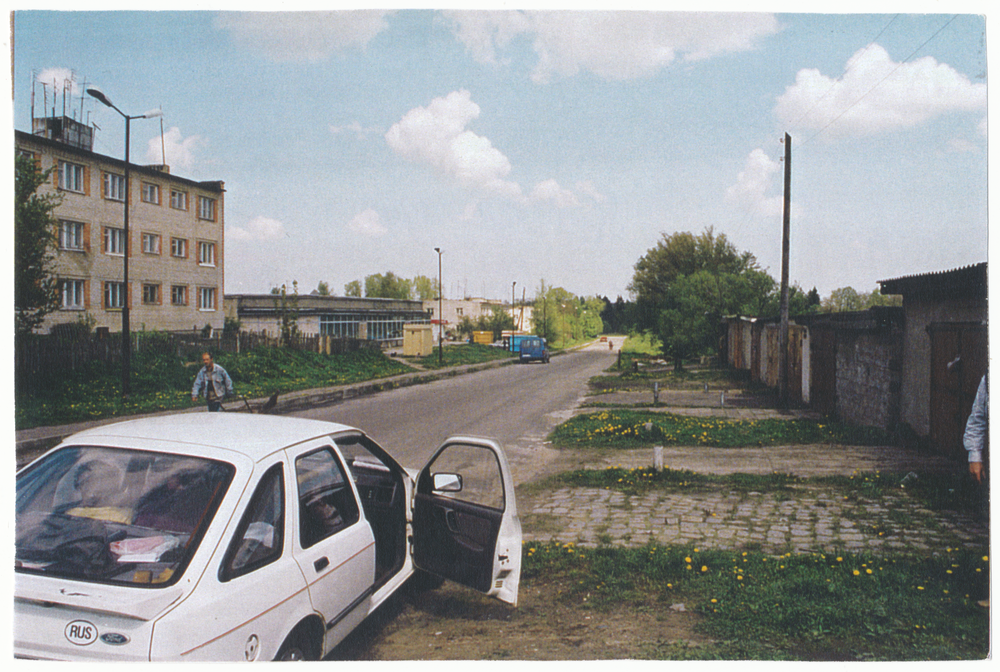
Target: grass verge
[[460, 355], [632, 429], [792, 607], [162, 382]]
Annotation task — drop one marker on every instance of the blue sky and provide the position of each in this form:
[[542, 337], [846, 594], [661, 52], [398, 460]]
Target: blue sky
[[555, 146]]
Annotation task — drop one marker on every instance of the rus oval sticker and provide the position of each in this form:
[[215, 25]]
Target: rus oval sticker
[[81, 633]]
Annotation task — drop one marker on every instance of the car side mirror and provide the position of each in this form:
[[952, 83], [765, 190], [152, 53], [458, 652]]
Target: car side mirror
[[447, 482]]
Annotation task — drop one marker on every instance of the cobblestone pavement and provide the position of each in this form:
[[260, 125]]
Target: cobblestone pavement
[[810, 517]]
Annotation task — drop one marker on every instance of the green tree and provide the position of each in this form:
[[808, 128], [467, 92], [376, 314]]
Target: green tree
[[36, 291], [687, 283], [287, 306], [388, 286], [353, 288], [498, 322], [842, 299], [877, 298], [799, 302], [425, 288], [323, 288], [846, 299]]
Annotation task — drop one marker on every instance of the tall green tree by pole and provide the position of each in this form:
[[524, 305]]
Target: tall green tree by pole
[[36, 291], [687, 283]]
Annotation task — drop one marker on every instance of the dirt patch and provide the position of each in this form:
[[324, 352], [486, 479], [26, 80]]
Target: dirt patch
[[452, 623]]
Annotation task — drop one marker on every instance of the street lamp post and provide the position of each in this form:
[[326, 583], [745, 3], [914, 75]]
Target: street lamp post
[[513, 320], [126, 331], [440, 312]]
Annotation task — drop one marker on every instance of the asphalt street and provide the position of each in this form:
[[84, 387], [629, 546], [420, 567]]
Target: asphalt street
[[518, 405]]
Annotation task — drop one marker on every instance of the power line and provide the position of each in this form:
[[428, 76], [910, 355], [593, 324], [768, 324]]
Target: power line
[[879, 83], [839, 79]]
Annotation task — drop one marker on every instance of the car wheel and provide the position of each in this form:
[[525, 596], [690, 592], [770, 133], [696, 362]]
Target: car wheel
[[298, 647]]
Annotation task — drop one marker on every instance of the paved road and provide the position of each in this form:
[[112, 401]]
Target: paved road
[[517, 404]]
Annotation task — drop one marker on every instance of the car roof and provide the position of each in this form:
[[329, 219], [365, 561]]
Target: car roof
[[252, 435]]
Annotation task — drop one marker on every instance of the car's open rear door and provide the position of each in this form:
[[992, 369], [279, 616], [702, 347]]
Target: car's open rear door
[[465, 524]]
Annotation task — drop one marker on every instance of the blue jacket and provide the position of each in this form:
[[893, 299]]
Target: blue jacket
[[219, 379], [977, 428]]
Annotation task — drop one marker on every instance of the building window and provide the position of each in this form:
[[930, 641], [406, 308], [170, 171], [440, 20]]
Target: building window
[[73, 295], [460, 311], [150, 193], [114, 295], [151, 295], [114, 241], [71, 177], [178, 199], [206, 208], [114, 187], [179, 248], [206, 298], [72, 235], [179, 295], [151, 243], [206, 254]]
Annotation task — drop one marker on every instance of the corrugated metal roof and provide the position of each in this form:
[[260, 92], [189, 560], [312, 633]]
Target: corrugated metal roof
[[965, 281]]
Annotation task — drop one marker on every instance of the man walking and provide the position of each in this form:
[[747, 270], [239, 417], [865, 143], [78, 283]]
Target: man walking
[[212, 381]]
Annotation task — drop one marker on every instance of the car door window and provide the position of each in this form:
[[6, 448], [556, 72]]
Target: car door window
[[481, 481], [326, 501], [260, 536]]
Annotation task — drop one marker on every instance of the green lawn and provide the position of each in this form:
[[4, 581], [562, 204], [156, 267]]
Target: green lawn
[[632, 429], [810, 606], [460, 355]]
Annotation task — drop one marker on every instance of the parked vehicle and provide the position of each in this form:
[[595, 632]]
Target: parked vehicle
[[215, 536], [534, 349]]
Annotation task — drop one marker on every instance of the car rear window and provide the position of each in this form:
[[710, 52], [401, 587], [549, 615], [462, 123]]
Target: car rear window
[[115, 515]]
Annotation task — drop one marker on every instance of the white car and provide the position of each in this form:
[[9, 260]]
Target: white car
[[225, 536]]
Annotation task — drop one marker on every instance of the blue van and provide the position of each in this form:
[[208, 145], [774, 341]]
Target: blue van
[[533, 349]]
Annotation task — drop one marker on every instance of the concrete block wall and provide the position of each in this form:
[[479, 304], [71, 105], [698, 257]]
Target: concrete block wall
[[869, 375]]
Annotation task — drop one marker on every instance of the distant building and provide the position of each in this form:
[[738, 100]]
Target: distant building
[[379, 320], [176, 256], [453, 311]]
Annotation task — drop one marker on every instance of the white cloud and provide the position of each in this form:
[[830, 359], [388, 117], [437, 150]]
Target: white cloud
[[258, 229], [303, 36], [354, 127], [437, 135], [549, 190], [367, 223], [753, 184], [180, 152], [612, 45], [59, 79], [876, 94], [587, 188]]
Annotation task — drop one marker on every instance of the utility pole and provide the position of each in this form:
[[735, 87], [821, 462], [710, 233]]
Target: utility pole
[[783, 329], [440, 312]]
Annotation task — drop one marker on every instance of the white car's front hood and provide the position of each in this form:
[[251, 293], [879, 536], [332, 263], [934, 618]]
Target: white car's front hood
[[139, 603]]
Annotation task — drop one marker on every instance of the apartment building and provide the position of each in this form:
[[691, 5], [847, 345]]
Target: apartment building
[[175, 244]]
